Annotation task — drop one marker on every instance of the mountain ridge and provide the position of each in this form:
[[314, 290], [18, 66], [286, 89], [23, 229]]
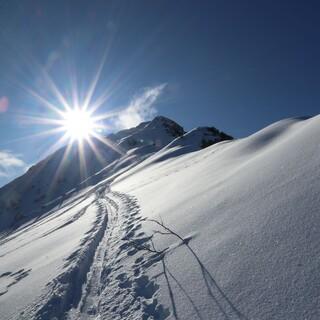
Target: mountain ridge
[[47, 183]]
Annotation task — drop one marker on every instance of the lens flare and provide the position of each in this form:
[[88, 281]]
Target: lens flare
[[78, 124], [74, 116]]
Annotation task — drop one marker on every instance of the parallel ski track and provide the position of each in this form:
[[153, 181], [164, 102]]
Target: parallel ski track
[[106, 277]]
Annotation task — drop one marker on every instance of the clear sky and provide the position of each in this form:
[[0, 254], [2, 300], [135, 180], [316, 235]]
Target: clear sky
[[236, 65]]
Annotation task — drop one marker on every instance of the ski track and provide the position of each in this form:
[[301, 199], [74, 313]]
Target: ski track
[[106, 277]]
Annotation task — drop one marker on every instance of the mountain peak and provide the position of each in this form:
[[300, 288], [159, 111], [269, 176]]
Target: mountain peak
[[171, 126], [162, 119]]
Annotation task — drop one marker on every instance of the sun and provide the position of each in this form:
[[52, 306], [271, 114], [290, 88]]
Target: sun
[[78, 124]]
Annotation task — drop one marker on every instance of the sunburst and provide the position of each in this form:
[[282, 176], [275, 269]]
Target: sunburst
[[79, 124], [77, 121]]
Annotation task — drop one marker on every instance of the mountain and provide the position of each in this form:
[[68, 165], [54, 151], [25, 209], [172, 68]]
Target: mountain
[[182, 232], [69, 170], [157, 133]]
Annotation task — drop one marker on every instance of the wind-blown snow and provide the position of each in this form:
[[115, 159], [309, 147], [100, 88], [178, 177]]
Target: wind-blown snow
[[177, 232]]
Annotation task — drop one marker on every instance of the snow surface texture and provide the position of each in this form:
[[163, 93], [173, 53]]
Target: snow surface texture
[[181, 232], [251, 207]]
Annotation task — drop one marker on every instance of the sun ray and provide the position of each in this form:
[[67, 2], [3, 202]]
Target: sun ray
[[106, 115], [93, 84], [51, 85], [43, 100], [59, 96], [97, 76], [60, 166], [58, 144], [108, 143], [74, 89], [82, 161], [40, 120], [96, 151], [109, 91], [34, 136]]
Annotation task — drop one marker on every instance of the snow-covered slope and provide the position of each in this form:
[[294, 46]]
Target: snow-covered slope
[[50, 181], [225, 232], [157, 133], [194, 140], [249, 211]]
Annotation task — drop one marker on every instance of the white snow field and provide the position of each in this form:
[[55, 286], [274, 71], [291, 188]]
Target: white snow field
[[177, 232]]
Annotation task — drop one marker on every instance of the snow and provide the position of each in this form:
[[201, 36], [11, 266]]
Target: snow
[[251, 208], [175, 231], [35, 253], [51, 180]]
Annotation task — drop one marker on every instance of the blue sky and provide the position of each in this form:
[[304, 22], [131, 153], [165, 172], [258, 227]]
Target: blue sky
[[236, 65]]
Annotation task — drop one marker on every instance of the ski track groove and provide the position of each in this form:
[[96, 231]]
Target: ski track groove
[[117, 286], [105, 278]]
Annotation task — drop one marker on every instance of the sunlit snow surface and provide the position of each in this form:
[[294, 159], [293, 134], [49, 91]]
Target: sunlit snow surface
[[243, 217], [252, 209], [36, 253]]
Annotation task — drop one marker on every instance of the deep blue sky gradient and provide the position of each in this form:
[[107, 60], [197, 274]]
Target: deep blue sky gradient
[[237, 65]]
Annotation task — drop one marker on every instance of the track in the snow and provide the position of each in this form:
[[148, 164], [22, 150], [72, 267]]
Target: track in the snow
[[117, 286], [106, 277]]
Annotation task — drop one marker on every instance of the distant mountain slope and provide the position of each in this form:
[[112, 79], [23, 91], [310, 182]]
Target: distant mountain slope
[[52, 180]]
